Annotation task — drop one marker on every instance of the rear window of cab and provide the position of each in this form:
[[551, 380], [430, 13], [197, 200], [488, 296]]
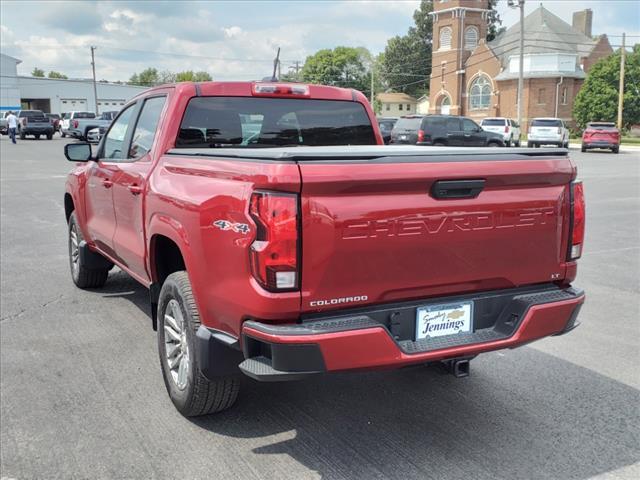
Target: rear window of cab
[[493, 122], [254, 122]]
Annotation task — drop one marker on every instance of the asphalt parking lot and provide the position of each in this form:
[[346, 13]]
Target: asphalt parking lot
[[82, 395]]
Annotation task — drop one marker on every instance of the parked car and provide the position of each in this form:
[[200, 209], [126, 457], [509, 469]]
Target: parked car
[[4, 129], [601, 135], [386, 126], [548, 131], [442, 130], [55, 121], [78, 124], [279, 260], [34, 122], [508, 128], [95, 134]]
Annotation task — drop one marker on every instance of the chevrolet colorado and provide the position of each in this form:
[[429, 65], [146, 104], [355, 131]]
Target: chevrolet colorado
[[279, 238]]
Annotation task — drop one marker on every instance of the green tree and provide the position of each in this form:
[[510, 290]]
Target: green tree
[[598, 97], [190, 76], [147, 78], [405, 64], [166, 76], [342, 67], [54, 74], [37, 72], [494, 22]]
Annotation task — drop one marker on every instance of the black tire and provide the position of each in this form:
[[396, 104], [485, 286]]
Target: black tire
[[37, 135], [22, 135], [82, 276], [200, 396], [615, 149], [62, 134], [439, 144], [530, 144], [49, 136], [583, 148], [508, 142], [517, 144], [494, 144]]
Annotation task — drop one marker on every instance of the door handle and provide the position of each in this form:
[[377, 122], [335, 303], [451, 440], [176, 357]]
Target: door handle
[[135, 189], [106, 183], [442, 189]]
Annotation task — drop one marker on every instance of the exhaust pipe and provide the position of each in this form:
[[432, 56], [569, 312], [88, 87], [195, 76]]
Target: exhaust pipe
[[458, 367]]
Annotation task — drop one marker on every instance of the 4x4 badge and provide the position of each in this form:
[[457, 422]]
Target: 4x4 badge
[[236, 227]]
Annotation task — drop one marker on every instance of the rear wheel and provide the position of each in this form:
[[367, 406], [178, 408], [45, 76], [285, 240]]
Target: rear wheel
[[518, 143], [508, 142], [615, 149], [62, 134], [178, 321], [49, 136], [530, 144], [22, 135], [439, 144], [583, 148], [37, 135], [82, 276]]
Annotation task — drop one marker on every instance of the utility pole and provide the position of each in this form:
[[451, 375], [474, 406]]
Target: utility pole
[[520, 4], [95, 88], [623, 53], [521, 66], [372, 96]]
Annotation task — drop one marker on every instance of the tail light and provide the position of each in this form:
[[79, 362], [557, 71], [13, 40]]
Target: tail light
[[577, 220], [280, 90], [274, 253], [25, 120], [421, 135], [559, 130], [75, 124], [506, 129]]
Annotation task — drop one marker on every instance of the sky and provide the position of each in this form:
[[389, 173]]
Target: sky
[[230, 39]]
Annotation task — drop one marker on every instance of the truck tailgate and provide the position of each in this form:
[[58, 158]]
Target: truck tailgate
[[373, 231]]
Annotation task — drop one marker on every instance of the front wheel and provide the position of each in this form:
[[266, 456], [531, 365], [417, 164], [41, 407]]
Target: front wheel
[[583, 148], [494, 144], [178, 320]]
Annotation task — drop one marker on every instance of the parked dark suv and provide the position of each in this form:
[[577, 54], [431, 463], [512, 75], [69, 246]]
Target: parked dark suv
[[443, 130]]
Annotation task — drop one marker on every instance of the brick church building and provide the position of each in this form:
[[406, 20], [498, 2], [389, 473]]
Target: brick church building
[[478, 79]]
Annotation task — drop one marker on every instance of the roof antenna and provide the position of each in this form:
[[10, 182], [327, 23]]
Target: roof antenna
[[276, 62]]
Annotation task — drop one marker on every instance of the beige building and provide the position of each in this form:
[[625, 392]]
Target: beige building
[[478, 79], [423, 105], [396, 104]]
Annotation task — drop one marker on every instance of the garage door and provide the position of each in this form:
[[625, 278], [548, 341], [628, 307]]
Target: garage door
[[110, 104], [73, 105]]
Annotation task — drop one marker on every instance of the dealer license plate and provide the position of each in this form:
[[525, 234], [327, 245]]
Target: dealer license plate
[[440, 320]]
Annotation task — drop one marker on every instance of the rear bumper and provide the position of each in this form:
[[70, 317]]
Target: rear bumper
[[602, 144], [383, 337], [37, 130]]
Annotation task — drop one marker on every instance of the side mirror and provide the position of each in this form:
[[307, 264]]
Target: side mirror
[[78, 152]]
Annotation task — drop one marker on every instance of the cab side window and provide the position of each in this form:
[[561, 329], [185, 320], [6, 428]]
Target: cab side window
[[114, 142], [469, 125], [145, 131]]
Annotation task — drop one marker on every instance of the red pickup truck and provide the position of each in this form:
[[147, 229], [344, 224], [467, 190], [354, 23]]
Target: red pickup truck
[[280, 238]]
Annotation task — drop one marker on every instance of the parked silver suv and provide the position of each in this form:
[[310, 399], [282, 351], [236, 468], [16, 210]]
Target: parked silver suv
[[548, 131], [508, 128]]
